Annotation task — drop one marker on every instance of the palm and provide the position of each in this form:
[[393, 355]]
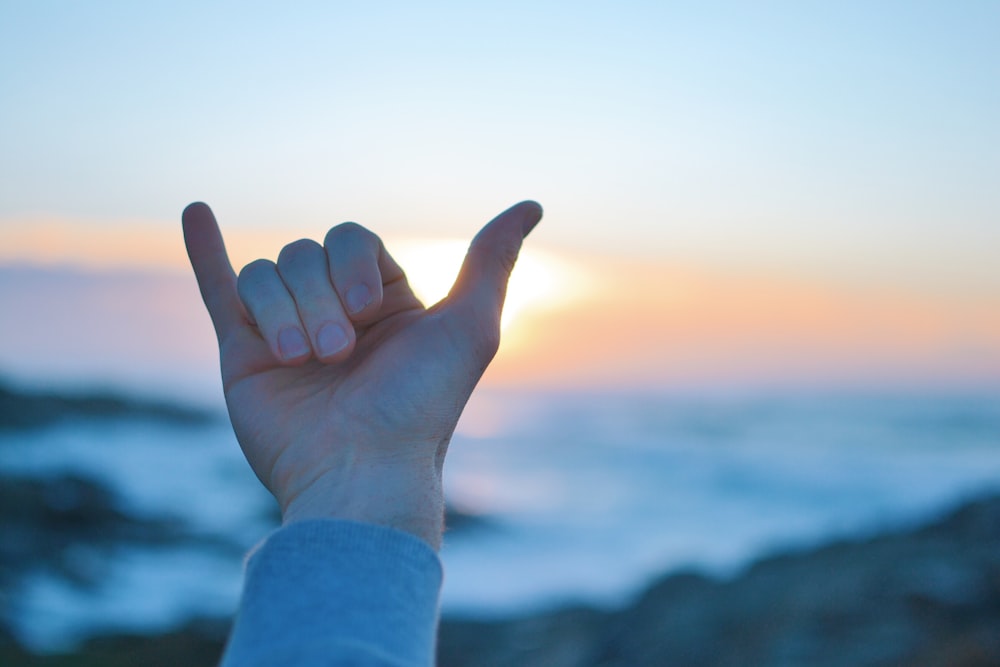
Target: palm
[[307, 417]]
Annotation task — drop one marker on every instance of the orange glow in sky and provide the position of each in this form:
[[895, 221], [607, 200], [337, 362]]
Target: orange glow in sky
[[116, 244], [591, 321], [542, 282], [656, 325]]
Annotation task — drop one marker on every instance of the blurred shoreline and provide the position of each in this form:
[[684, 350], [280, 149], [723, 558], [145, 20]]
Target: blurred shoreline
[[928, 595], [79, 497]]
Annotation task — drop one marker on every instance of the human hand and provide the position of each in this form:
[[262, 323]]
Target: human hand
[[343, 390]]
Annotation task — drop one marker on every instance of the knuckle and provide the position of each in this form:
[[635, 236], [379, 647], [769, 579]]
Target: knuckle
[[350, 234], [344, 229], [252, 283], [297, 250], [255, 271]]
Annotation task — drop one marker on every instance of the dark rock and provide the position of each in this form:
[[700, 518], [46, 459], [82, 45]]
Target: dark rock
[[925, 596], [460, 521], [198, 643], [563, 637], [928, 596], [61, 524], [21, 410], [69, 526]]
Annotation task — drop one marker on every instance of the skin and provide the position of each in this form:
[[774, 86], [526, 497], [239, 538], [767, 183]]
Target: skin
[[343, 390]]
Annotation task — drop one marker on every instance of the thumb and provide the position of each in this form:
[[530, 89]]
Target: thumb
[[478, 293]]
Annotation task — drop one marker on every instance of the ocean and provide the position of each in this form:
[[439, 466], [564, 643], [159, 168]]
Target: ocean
[[575, 497]]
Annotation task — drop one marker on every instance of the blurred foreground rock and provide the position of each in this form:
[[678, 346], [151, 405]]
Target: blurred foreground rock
[[22, 410], [924, 597], [67, 525], [929, 596]]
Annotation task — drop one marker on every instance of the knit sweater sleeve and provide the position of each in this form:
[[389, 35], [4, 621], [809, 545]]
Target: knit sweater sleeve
[[328, 592]]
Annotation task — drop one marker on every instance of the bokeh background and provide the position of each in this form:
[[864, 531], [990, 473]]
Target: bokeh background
[[762, 311]]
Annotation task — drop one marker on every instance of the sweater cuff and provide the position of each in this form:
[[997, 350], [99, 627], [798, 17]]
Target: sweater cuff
[[318, 589]]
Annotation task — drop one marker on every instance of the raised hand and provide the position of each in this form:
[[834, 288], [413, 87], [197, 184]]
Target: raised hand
[[343, 390]]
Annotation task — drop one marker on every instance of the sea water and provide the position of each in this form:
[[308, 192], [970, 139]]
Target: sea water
[[582, 497]]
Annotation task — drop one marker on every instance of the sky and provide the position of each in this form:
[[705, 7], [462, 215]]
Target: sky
[[797, 192]]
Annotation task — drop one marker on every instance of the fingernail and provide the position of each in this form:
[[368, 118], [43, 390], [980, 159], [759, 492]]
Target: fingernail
[[331, 339], [358, 297], [292, 343]]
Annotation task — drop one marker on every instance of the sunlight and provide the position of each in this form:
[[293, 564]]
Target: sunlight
[[539, 281]]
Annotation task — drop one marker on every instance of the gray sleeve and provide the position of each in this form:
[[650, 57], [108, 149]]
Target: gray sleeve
[[331, 592]]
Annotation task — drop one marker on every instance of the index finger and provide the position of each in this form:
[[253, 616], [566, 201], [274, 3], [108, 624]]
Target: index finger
[[212, 269]]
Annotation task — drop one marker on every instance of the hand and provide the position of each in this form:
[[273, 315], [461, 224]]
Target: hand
[[343, 390]]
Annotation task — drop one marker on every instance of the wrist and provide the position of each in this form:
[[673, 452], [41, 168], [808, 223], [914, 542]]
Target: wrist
[[405, 498]]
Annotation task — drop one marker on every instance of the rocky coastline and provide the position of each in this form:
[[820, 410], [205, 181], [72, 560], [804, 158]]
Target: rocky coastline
[[928, 595], [924, 595]]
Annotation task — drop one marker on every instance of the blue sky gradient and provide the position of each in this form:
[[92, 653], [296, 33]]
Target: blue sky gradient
[[852, 141]]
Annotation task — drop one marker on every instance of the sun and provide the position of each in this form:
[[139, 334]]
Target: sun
[[539, 280]]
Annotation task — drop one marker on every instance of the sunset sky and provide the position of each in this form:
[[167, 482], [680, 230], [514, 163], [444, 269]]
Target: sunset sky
[[735, 193]]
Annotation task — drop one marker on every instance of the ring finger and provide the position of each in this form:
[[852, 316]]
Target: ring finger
[[303, 268]]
